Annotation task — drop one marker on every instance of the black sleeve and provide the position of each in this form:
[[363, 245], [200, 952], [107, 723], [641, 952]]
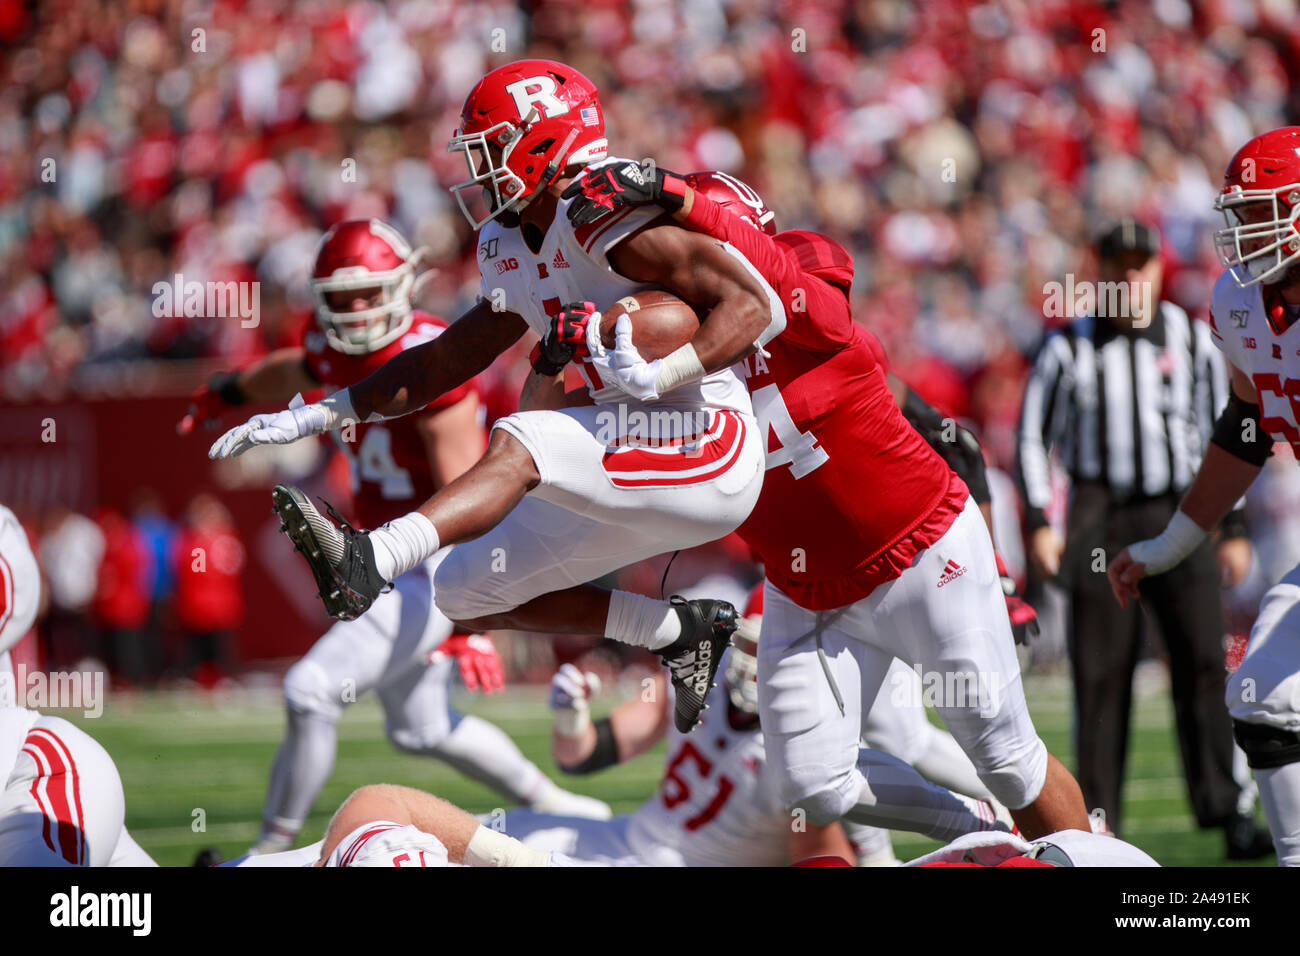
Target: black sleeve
[[955, 445]]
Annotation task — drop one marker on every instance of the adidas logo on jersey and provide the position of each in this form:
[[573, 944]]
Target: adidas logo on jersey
[[558, 262], [951, 572]]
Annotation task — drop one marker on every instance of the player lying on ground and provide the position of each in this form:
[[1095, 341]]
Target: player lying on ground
[[1255, 320], [387, 825], [718, 804], [404, 649], [872, 548], [61, 802], [555, 501]]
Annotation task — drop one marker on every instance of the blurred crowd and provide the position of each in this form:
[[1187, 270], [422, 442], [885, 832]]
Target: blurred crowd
[[966, 152], [144, 596]]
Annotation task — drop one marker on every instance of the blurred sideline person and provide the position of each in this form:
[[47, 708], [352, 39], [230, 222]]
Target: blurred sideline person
[[208, 561], [1129, 401], [1255, 323], [361, 281], [20, 597]]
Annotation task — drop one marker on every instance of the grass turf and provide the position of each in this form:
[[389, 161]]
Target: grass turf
[[194, 767]]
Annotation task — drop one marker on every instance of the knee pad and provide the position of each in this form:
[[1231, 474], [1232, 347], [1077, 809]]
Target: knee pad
[[1018, 784], [823, 797], [308, 690], [463, 595], [1266, 746]]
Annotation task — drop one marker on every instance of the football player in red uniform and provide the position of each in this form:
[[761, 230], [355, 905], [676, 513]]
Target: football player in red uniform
[[1255, 322], [872, 547], [404, 649]]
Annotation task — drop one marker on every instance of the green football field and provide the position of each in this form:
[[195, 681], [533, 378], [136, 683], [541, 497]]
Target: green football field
[[195, 765]]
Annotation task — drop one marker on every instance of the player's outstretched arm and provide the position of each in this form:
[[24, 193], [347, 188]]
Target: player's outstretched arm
[[405, 383], [281, 374], [1233, 459], [580, 745]]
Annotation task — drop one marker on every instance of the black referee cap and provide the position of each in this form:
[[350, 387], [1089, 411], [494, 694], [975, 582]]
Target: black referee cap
[[1128, 235]]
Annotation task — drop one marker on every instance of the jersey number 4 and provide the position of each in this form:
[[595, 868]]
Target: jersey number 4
[[797, 449]]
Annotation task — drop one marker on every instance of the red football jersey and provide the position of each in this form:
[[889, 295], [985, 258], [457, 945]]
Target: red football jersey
[[852, 492], [390, 466]]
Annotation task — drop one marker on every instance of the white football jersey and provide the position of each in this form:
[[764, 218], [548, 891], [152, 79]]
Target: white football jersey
[[717, 805], [572, 265], [383, 843], [15, 722], [1240, 328]]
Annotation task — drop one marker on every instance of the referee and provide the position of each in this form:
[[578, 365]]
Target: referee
[[1127, 398]]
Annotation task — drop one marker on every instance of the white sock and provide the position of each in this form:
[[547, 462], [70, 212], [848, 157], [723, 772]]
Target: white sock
[[403, 543], [641, 621], [1279, 795]]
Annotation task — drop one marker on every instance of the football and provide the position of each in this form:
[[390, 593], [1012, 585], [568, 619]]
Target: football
[[661, 323]]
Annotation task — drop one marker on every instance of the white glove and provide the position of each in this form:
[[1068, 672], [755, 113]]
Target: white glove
[[626, 369], [571, 693], [286, 427]]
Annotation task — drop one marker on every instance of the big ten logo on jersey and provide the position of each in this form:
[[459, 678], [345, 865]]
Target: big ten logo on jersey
[[507, 265]]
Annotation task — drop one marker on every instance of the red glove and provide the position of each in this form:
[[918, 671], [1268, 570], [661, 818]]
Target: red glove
[[1024, 619], [480, 665], [209, 402]]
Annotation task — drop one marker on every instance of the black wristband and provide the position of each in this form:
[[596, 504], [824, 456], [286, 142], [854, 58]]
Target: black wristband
[[1233, 525], [225, 385], [1236, 418], [604, 754]]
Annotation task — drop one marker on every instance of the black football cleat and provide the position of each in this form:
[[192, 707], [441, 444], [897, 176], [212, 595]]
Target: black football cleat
[[341, 558], [1246, 839], [693, 658]]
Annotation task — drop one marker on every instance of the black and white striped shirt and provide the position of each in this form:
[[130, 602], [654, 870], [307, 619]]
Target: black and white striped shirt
[[1131, 409]]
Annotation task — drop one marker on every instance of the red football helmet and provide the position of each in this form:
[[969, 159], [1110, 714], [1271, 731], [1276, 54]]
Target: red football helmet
[[736, 197], [358, 255], [1260, 202], [521, 125]]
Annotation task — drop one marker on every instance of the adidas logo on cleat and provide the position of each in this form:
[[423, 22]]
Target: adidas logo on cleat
[[702, 669], [951, 572]]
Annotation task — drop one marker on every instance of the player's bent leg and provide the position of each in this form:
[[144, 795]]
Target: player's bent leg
[[947, 614], [894, 796], [810, 736], [1263, 697], [62, 805], [897, 724]]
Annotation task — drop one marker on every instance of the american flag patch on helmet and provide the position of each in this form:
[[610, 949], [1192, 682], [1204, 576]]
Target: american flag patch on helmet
[[589, 116]]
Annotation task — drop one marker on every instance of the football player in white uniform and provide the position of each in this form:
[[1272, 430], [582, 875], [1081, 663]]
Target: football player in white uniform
[[563, 494], [717, 804], [387, 825], [61, 800], [20, 593], [404, 649], [1255, 320]]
